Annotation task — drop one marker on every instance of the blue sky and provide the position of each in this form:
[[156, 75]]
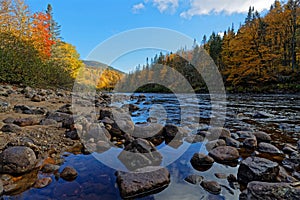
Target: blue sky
[[88, 23]]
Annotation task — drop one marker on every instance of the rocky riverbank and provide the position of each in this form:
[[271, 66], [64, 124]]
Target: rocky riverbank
[[39, 126]]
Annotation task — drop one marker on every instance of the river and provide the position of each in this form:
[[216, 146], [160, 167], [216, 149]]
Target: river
[[277, 115]]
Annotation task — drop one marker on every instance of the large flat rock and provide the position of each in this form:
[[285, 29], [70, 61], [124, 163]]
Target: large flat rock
[[142, 182], [257, 169]]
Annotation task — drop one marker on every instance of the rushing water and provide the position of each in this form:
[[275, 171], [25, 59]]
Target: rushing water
[[281, 119]]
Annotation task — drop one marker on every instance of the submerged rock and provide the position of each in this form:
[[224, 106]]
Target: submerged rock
[[43, 182], [257, 169], [194, 179], [262, 136], [17, 160], [69, 174], [201, 161], [142, 182], [211, 186]]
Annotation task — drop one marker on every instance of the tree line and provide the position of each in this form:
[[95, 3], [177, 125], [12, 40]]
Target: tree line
[[31, 49], [263, 55]]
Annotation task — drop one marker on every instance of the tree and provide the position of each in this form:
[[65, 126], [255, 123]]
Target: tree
[[54, 28]]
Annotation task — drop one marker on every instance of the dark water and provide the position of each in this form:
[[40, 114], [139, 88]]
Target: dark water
[[96, 180]]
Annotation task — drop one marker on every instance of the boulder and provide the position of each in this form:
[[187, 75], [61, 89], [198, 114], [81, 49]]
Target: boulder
[[262, 136], [211, 186], [218, 132], [11, 128], [140, 153], [271, 191], [268, 148], [200, 161], [58, 116], [17, 160], [26, 122], [257, 169], [215, 143], [224, 154], [142, 181], [232, 142], [69, 174], [149, 130], [170, 131], [250, 143], [43, 182]]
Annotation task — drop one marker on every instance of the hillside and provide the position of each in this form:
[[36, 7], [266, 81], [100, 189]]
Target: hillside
[[99, 75]]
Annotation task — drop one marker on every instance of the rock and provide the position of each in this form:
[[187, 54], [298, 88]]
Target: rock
[[260, 115], [257, 169], [270, 191], [140, 153], [148, 131], [224, 154], [11, 128], [69, 174], [288, 148], [231, 178], [170, 131], [220, 175], [4, 106], [232, 142], [250, 143], [26, 122], [58, 116], [245, 134], [9, 120], [37, 98], [194, 179], [106, 112], [296, 175], [66, 109], [283, 176], [102, 146], [211, 186], [268, 148], [98, 133], [262, 136], [48, 122], [219, 132], [43, 182], [143, 181], [215, 143], [50, 168], [29, 110], [201, 161], [298, 146], [17, 160], [73, 135], [133, 108]]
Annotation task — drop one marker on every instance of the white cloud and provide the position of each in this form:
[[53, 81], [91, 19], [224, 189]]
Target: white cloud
[[166, 5], [205, 7], [136, 8]]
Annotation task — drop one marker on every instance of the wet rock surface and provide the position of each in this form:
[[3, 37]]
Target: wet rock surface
[[143, 181], [257, 169]]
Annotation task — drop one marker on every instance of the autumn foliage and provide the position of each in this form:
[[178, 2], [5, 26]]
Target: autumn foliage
[[31, 51]]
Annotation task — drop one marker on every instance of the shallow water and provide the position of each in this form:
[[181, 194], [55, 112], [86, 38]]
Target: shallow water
[[97, 181]]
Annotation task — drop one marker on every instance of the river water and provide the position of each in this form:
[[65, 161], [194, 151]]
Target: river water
[[277, 115]]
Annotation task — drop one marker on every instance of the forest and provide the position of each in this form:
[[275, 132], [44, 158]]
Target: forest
[[33, 53], [263, 55]]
